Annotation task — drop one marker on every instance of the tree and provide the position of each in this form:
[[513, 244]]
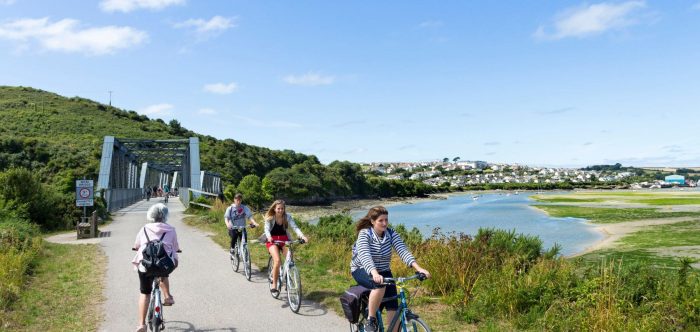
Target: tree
[[251, 188], [455, 159], [444, 160]]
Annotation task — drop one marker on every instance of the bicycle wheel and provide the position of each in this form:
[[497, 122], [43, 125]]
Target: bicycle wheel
[[269, 278], [149, 315], [415, 325], [246, 262], [157, 325], [294, 288], [235, 259]]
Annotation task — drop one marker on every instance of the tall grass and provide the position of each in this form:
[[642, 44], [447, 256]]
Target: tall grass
[[500, 280], [19, 247]]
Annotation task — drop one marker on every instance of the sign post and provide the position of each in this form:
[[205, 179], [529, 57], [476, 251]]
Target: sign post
[[84, 195]]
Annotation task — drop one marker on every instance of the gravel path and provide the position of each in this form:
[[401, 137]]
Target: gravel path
[[209, 296]]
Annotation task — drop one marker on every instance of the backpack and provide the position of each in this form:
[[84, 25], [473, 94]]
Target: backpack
[[155, 259], [351, 301]]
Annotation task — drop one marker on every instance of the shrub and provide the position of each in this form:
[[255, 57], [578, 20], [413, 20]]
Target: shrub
[[19, 246]]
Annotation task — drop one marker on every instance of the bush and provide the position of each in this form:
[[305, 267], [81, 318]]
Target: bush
[[19, 246], [22, 192], [339, 228]]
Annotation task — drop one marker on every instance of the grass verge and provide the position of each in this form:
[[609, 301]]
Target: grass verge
[[325, 276], [63, 292]]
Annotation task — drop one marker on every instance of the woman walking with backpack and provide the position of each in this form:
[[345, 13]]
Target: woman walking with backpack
[[156, 229], [371, 260]]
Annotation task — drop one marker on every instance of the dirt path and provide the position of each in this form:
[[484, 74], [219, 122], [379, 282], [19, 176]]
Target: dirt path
[[209, 295]]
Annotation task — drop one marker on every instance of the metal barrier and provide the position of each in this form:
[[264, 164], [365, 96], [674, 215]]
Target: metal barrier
[[184, 196], [195, 193], [120, 198]]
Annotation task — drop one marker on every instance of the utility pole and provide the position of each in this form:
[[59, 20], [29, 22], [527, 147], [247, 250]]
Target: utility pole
[[110, 97]]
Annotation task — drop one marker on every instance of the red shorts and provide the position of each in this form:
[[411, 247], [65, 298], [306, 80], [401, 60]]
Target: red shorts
[[277, 238]]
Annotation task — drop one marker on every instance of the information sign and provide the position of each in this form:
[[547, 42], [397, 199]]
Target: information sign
[[84, 193]]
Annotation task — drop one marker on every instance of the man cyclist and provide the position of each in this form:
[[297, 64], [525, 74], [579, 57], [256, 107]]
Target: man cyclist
[[236, 216]]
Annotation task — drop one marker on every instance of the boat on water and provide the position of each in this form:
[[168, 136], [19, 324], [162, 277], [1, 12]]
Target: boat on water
[[475, 197]]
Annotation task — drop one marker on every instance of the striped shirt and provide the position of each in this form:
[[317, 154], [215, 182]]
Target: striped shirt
[[371, 252]]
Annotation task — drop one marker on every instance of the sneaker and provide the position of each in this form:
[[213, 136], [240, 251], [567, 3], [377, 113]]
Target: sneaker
[[371, 325], [275, 292]]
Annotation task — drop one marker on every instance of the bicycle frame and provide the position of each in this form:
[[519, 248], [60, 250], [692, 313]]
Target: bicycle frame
[[288, 260], [154, 315], [244, 238], [403, 313]]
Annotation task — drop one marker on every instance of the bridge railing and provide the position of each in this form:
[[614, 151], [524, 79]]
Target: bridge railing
[[120, 198], [186, 200]]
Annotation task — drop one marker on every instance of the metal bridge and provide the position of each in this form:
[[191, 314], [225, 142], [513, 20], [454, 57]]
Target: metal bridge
[[172, 162]]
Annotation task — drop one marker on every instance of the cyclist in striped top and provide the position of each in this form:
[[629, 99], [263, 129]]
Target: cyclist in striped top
[[371, 260]]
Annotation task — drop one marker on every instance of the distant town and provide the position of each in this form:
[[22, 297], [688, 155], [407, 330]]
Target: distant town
[[458, 173]]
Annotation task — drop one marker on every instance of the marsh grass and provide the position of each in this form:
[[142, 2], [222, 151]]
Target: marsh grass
[[650, 198], [601, 215], [670, 201], [558, 199], [685, 233]]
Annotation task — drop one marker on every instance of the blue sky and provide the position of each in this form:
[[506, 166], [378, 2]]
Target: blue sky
[[556, 83]]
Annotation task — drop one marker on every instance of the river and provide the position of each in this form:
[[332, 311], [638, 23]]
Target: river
[[508, 211]]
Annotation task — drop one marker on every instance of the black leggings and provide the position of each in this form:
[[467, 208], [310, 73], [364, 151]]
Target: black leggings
[[235, 236]]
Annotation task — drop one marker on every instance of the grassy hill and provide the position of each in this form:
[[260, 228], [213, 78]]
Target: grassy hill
[[60, 138]]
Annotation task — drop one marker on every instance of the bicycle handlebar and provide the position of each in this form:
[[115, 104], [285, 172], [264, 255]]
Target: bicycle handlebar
[[178, 251], [242, 227], [393, 281], [299, 241]]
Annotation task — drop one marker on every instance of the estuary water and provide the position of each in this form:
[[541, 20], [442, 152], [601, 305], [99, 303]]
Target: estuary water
[[467, 213]]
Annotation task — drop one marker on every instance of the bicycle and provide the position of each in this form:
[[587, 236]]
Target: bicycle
[[289, 274], [154, 315], [240, 250], [407, 320]]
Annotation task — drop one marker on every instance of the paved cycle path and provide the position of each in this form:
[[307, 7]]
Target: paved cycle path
[[209, 296]]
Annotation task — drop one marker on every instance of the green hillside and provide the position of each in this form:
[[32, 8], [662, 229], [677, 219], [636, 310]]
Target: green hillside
[[55, 135], [59, 140]]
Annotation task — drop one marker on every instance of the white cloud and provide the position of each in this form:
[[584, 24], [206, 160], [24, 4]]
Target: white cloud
[[130, 5], [6, 2], [214, 25], [696, 6], [66, 36], [221, 88], [590, 20], [207, 111], [158, 109], [309, 79]]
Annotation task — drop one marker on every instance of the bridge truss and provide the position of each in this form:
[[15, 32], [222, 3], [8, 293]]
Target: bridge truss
[[171, 162]]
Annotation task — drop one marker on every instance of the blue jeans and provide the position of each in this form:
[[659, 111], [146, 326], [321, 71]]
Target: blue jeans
[[364, 279]]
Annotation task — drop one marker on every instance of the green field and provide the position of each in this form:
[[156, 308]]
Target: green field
[[663, 198], [603, 215], [685, 233]]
